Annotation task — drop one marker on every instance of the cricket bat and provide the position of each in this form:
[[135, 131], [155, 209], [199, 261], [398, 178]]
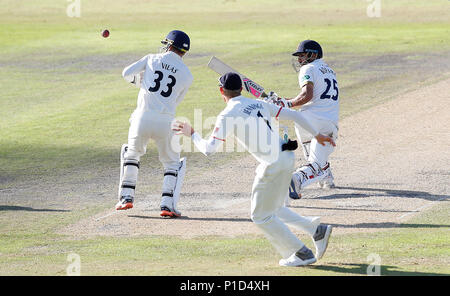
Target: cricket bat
[[252, 87]]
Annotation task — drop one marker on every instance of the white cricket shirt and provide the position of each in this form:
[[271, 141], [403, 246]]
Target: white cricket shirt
[[165, 83], [325, 101], [250, 122]]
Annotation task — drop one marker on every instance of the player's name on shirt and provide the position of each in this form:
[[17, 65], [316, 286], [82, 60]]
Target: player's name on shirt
[[249, 108], [169, 68], [326, 70]]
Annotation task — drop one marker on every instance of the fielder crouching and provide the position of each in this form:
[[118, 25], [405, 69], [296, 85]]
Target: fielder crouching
[[250, 121]]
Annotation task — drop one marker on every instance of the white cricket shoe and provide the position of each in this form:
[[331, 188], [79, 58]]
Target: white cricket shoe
[[302, 257], [167, 208], [125, 203], [321, 238], [328, 181]]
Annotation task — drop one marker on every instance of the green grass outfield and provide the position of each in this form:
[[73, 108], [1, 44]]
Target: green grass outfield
[[64, 105], [64, 102], [418, 247]]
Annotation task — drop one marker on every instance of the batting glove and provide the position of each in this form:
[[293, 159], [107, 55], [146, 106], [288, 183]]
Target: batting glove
[[273, 98], [282, 102]]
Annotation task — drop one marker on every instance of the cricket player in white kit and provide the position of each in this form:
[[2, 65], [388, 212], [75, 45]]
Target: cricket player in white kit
[[164, 80], [250, 121], [319, 103]]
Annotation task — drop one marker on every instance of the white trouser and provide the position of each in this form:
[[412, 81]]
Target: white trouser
[[143, 127], [317, 153], [156, 126], [268, 212]]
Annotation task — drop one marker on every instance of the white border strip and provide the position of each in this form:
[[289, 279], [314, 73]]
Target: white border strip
[[106, 216], [421, 208]]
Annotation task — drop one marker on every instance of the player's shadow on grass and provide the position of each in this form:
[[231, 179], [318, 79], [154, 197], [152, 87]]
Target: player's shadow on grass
[[28, 209], [386, 225], [195, 218], [350, 209], [383, 192], [361, 269]]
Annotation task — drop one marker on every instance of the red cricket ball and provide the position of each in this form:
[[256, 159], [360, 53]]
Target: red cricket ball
[[105, 33]]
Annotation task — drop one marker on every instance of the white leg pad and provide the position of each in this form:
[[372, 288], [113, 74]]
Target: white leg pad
[[129, 168], [309, 174], [179, 184], [173, 181]]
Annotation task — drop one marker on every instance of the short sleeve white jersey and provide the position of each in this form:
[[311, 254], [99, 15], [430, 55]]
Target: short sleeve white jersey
[[325, 100], [165, 82], [250, 121]]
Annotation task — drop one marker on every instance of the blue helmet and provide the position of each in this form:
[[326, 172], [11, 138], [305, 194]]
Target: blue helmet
[[177, 39], [313, 52], [309, 46]]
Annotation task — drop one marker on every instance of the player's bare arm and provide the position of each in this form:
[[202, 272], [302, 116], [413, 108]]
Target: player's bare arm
[[183, 128], [297, 117], [304, 96], [322, 139], [206, 146]]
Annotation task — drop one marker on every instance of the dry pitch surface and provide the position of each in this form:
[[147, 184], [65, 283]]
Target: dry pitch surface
[[390, 164]]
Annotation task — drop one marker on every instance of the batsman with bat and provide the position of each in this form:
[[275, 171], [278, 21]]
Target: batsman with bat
[[319, 103], [165, 82], [250, 121]]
